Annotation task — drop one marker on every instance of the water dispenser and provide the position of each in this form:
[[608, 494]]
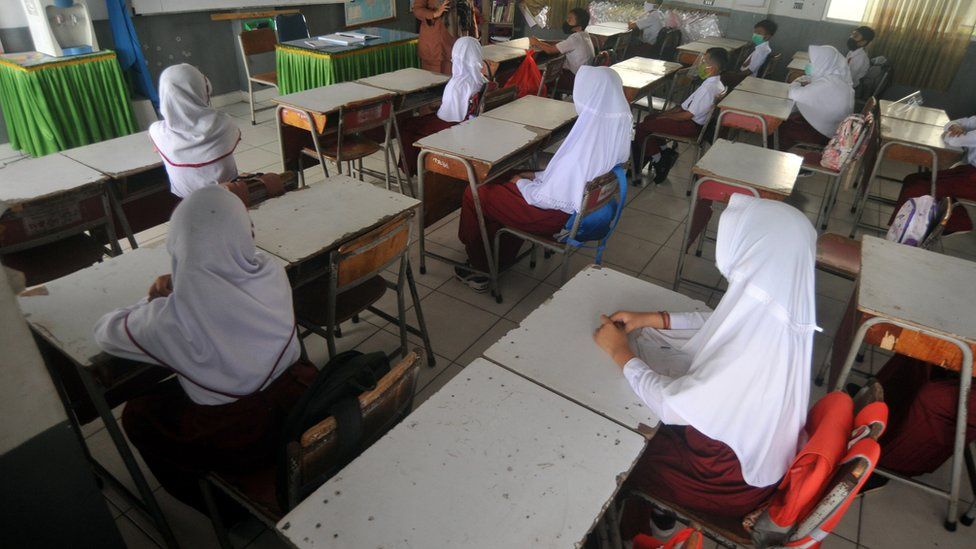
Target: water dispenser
[[61, 27]]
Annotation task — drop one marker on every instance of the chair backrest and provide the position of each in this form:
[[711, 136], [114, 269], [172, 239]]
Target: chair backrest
[[772, 63], [666, 45], [318, 451], [869, 106], [365, 115], [942, 216], [257, 41], [603, 58], [712, 118], [291, 26], [493, 98], [368, 255], [597, 217], [622, 45], [550, 74]]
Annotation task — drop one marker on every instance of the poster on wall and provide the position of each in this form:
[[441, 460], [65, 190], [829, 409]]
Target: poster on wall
[[364, 12]]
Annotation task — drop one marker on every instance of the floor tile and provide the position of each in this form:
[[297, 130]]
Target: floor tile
[[662, 204], [900, 516], [513, 286], [646, 226], [454, 325], [436, 384], [539, 295], [490, 337], [253, 159]]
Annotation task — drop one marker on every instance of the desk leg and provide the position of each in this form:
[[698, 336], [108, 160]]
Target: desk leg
[[420, 196], [866, 191], [687, 237], [116, 201], [113, 238]]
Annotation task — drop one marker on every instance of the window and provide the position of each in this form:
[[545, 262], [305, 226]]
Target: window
[[846, 10]]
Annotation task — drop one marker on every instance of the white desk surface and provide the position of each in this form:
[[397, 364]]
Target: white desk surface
[[914, 133], [646, 64], [483, 139], [622, 25], [772, 88], [405, 81], [802, 54], [554, 345], [764, 169], [922, 115], [306, 222], [756, 103], [729, 43], [330, 98], [798, 64], [491, 460], [605, 31], [36, 178], [637, 80], [64, 311], [700, 46], [499, 54], [520, 44], [538, 112], [119, 157], [919, 287]]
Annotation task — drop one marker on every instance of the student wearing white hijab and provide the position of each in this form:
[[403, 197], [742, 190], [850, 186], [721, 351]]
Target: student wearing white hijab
[[224, 323], [824, 97], [541, 202], [196, 141], [731, 387]]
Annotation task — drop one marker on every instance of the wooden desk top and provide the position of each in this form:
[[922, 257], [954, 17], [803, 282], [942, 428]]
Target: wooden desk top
[[500, 54], [914, 133], [728, 43], [307, 222], [763, 169], [119, 157], [538, 112], [64, 311], [918, 287], [772, 88], [554, 345], [636, 81], [406, 81], [330, 98], [648, 65], [37, 178], [483, 139], [490, 460], [919, 114], [765, 105]]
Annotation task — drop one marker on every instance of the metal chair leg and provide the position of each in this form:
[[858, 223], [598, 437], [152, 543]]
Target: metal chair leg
[[250, 99], [402, 308], [421, 323], [218, 524]]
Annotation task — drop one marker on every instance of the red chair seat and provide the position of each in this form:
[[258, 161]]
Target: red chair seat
[[839, 254]]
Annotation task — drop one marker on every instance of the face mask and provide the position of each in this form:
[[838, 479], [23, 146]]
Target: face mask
[[702, 71], [757, 39], [567, 28], [852, 44], [808, 69]]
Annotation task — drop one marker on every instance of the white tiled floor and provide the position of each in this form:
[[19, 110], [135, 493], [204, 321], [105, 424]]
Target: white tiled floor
[[462, 324]]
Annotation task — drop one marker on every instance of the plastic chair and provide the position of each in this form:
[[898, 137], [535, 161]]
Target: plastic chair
[[291, 26], [494, 98], [355, 283], [551, 72], [597, 193], [256, 42], [310, 461]]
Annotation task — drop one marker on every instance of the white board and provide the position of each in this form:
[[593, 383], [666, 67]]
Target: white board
[[150, 7]]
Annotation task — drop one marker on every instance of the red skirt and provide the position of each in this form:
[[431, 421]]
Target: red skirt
[[180, 440], [958, 182]]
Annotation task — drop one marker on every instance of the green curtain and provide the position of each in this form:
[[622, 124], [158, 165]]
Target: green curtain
[[300, 69], [61, 105]]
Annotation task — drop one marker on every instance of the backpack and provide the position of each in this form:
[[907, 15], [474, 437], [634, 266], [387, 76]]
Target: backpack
[[841, 145], [600, 223], [335, 392], [913, 221]]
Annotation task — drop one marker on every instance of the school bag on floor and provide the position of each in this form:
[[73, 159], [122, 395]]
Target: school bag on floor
[[841, 145], [912, 223], [527, 77]]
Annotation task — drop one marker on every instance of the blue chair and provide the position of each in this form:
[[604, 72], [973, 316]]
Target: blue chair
[[291, 26]]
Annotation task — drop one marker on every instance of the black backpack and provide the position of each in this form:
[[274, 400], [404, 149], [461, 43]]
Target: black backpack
[[335, 392]]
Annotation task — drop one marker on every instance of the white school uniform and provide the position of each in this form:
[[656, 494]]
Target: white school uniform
[[967, 140], [859, 63], [578, 48], [650, 24], [757, 58], [700, 103], [741, 375], [829, 98]]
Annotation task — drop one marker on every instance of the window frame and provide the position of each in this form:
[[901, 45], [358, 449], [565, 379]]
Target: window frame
[[830, 3]]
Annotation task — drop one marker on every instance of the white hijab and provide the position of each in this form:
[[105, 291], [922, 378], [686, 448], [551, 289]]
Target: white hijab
[[466, 80], [748, 382], [191, 133], [229, 325], [829, 97], [599, 140]]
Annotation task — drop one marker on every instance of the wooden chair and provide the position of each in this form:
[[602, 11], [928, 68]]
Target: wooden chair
[[494, 98], [355, 284], [551, 72], [256, 42], [603, 59], [680, 87], [317, 453], [622, 45], [772, 63], [666, 45]]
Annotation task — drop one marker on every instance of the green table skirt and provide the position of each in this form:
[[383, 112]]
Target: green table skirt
[[300, 69], [65, 104]]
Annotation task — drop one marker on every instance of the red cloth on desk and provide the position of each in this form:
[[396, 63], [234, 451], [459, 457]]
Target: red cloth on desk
[[958, 182], [654, 123], [797, 130], [922, 400], [503, 206]]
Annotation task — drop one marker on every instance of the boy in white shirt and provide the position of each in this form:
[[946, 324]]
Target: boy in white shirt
[[857, 55], [762, 33], [650, 23], [577, 47], [683, 121]]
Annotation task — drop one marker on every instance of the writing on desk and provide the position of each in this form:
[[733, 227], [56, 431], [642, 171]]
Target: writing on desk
[[440, 162]]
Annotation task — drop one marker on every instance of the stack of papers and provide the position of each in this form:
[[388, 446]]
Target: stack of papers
[[341, 39]]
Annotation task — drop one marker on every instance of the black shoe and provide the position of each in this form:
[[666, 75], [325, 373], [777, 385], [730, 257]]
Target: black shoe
[[475, 281], [663, 166]]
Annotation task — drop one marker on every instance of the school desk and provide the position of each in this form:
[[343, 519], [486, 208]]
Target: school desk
[[476, 151], [606, 36], [801, 54], [490, 460], [729, 168], [796, 68], [919, 303], [302, 66], [689, 53], [554, 345], [54, 103], [517, 43], [415, 88], [753, 112], [548, 114], [914, 113], [912, 143], [62, 314], [138, 187], [646, 64], [499, 56], [732, 44], [763, 86], [638, 84]]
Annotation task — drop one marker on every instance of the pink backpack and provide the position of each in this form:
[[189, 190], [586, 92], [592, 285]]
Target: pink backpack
[[912, 223], [841, 146]]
